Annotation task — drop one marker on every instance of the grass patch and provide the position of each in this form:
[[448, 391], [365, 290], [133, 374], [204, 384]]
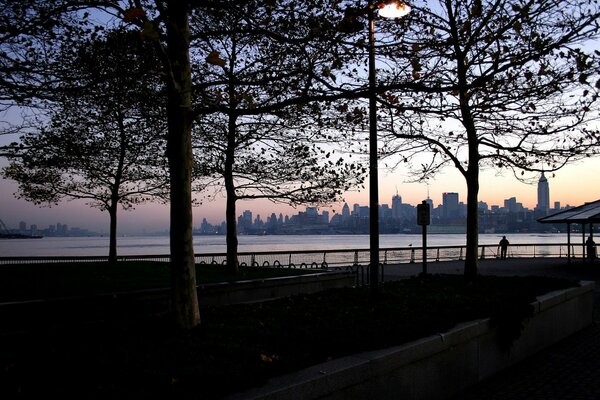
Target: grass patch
[[34, 281], [241, 346]]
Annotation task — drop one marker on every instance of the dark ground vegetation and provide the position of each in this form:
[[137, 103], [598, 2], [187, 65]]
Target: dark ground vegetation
[[241, 346]]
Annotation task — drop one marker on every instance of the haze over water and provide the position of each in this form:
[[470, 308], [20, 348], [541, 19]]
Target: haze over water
[[152, 245]]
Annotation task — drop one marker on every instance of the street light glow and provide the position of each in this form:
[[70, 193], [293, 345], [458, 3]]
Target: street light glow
[[387, 9], [393, 9]]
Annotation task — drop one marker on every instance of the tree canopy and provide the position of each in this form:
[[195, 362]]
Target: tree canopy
[[504, 84], [255, 135], [102, 143], [470, 83]]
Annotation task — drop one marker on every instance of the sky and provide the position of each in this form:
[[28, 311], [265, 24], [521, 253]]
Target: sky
[[573, 185]]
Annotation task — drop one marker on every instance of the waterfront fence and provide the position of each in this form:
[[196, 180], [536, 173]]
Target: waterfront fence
[[332, 259]]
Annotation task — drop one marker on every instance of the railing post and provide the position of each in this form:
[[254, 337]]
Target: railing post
[[339, 257], [362, 272]]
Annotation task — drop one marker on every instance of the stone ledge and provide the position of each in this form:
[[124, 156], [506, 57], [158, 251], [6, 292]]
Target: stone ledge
[[265, 289], [133, 304], [453, 360]]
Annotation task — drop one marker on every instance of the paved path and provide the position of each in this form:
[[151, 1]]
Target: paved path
[[567, 370]]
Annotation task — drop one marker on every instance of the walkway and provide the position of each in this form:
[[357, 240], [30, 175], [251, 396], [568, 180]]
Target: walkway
[[567, 370]]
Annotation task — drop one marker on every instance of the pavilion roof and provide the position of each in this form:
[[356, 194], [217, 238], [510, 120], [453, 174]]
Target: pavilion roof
[[585, 214]]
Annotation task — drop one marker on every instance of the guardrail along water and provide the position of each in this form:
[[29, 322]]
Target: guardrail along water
[[322, 259]]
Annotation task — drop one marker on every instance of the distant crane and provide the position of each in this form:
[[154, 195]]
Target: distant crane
[[6, 234], [3, 229]]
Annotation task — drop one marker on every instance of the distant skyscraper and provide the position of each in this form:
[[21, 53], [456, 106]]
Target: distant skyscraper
[[430, 202], [345, 211], [482, 206], [510, 204], [396, 205], [247, 217], [312, 211], [450, 203], [543, 204]]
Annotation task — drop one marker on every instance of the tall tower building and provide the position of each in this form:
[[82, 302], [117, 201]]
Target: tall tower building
[[345, 211], [450, 203], [396, 206], [543, 203]]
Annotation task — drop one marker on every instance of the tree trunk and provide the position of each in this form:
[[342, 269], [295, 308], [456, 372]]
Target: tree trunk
[[472, 179], [179, 153], [230, 217], [471, 174], [230, 213], [114, 197], [471, 259], [112, 246]]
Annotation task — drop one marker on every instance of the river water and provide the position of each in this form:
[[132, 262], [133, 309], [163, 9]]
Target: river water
[[152, 245]]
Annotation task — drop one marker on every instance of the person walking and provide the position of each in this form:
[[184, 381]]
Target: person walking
[[503, 247], [590, 246]]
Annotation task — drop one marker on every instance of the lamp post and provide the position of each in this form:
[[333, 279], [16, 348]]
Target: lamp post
[[393, 9]]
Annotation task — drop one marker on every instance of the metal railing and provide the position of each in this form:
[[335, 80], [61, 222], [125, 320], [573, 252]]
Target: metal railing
[[324, 259], [351, 260]]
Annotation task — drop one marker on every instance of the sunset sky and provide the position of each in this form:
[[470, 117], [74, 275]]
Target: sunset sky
[[573, 185]]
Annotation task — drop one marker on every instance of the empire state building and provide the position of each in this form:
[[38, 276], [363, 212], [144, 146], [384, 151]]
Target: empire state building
[[543, 203]]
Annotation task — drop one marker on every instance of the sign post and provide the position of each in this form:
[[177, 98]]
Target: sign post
[[423, 219]]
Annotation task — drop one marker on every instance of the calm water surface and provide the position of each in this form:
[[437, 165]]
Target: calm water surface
[[145, 245]]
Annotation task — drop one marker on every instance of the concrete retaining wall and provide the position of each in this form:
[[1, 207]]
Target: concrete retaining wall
[[224, 293], [439, 366], [130, 305]]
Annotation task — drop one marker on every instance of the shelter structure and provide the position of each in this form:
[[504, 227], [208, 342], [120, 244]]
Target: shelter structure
[[585, 215]]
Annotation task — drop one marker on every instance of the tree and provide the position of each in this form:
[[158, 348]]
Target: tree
[[26, 73], [260, 142], [165, 25], [104, 143], [507, 84], [268, 159], [33, 33]]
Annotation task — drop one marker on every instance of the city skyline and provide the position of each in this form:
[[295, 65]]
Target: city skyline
[[154, 217]]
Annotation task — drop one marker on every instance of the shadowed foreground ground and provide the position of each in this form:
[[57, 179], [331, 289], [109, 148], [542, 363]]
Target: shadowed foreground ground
[[567, 370], [146, 359]]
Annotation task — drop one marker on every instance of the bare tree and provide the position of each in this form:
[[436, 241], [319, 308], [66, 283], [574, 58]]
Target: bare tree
[[165, 25], [168, 26], [268, 159], [264, 62], [506, 84], [103, 143]]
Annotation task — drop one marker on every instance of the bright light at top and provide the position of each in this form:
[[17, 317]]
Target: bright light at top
[[394, 9]]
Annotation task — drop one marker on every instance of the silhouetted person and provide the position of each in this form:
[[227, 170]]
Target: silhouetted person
[[503, 247], [590, 248]]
